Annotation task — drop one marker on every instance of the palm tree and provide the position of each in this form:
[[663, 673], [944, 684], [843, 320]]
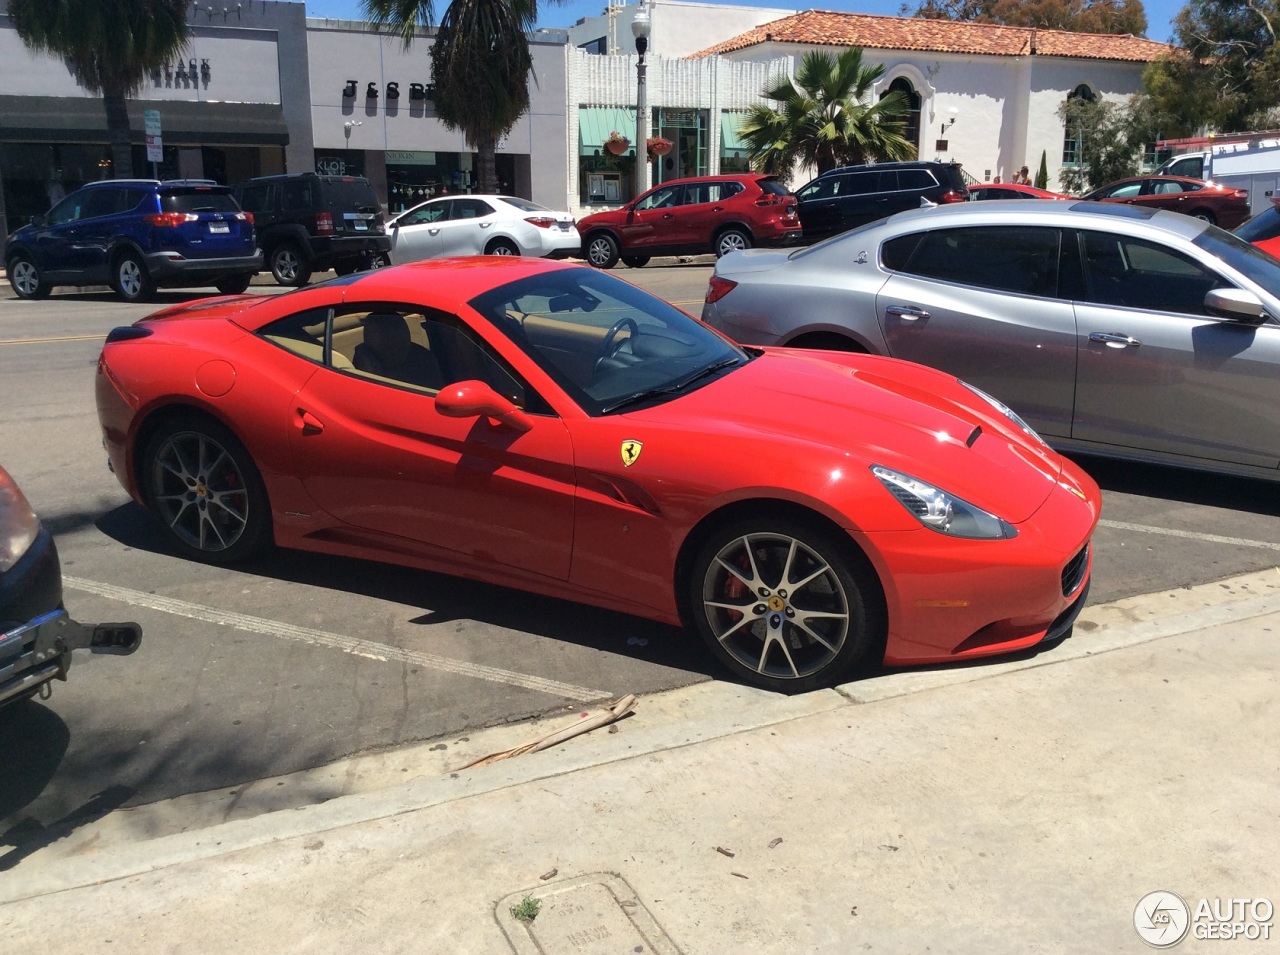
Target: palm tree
[[110, 46], [822, 120], [480, 66]]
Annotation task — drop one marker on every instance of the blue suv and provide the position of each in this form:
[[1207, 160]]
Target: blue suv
[[137, 235]]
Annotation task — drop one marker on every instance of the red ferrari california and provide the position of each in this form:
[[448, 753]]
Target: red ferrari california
[[550, 427]]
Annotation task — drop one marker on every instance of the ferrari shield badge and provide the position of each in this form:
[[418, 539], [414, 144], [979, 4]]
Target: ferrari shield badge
[[631, 451]]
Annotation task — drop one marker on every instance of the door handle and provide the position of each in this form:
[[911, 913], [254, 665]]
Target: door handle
[[434, 231], [1113, 339], [908, 313], [485, 225], [668, 215], [308, 423]]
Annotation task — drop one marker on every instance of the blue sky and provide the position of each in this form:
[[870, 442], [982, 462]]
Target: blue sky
[[1159, 12]]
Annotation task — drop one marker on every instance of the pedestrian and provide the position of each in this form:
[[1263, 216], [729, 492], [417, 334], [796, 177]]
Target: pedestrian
[[1024, 177]]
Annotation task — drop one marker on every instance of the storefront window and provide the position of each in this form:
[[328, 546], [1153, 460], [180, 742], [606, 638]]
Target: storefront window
[[687, 130], [733, 151], [603, 177]]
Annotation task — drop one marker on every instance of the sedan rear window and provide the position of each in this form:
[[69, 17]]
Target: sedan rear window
[[1017, 259]]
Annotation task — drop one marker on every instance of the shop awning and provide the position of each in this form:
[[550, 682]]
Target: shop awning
[[49, 119], [730, 141], [595, 123]]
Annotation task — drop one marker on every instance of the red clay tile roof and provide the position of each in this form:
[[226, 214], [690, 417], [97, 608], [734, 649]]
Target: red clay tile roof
[[825, 28]]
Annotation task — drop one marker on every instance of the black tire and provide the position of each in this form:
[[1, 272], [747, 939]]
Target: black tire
[[635, 261], [130, 278], [344, 268], [378, 260], [203, 487], [289, 265], [1206, 215], [841, 593], [501, 247], [233, 284], [25, 278], [601, 250], [732, 240]]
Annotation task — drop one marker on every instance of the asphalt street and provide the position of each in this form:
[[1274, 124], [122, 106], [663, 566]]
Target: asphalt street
[[302, 660]]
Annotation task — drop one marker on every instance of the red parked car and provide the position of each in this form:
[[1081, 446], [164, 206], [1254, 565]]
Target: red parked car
[[717, 214], [984, 191], [549, 427], [1263, 230], [1219, 205]]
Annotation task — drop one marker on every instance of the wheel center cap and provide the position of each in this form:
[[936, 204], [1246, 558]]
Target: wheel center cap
[[776, 603], [202, 490]]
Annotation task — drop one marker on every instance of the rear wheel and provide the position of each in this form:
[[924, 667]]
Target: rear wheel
[[199, 480], [732, 240], [1206, 215], [288, 265], [233, 284], [131, 279], [635, 261], [602, 250], [25, 278], [378, 260], [501, 247], [784, 603]]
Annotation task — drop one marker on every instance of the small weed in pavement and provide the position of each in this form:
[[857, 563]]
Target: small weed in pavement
[[527, 909]]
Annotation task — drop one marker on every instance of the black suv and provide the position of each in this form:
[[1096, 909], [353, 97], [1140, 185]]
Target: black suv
[[850, 196], [309, 223], [136, 235]]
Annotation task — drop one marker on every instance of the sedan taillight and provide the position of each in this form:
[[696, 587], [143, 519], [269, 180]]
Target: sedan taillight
[[169, 220], [324, 223], [542, 222], [952, 196], [718, 288]]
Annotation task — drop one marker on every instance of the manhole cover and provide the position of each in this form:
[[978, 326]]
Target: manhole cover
[[591, 914]]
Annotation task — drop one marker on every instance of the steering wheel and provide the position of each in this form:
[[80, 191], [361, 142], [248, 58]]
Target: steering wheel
[[610, 344]]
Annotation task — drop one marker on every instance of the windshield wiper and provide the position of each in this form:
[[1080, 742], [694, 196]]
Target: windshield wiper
[[671, 389]]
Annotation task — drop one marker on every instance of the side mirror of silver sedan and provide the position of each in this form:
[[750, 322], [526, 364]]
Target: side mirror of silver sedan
[[1235, 303]]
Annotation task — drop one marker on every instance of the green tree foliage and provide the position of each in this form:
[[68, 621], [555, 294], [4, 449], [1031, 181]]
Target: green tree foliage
[[1082, 16], [111, 47], [1042, 177], [823, 119], [1108, 149], [480, 66]]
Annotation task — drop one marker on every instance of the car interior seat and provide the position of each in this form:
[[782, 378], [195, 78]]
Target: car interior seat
[[388, 350]]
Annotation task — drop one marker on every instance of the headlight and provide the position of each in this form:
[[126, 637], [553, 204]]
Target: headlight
[[1005, 410], [940, 511], [18, 523]]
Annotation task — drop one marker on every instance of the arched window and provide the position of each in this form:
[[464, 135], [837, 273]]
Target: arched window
[[912, 131], [1073, 135]]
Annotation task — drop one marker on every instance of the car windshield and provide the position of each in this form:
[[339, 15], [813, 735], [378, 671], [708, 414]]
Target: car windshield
[[1265, 225], [608, 344], [1244, 257]]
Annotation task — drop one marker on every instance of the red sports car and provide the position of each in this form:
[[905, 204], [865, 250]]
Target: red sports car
[[550, 427]]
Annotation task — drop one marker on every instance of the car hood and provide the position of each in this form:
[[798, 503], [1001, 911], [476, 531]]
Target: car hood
[[825, 409]]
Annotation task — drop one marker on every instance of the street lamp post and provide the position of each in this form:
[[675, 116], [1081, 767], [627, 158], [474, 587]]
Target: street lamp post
[[640, 28]]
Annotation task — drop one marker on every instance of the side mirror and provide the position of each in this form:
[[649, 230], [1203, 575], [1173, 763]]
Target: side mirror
[[39, 221], [474, 399], [1235, 304]]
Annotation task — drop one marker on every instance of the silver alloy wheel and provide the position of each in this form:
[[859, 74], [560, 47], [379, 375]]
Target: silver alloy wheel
[[199, 491], [600, 251], [130, 278], [776, 605], [732, 242], [286, 263], [26, 278], [503, 248]]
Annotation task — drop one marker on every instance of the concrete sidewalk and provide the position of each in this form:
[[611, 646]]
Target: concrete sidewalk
[[1020, 806]]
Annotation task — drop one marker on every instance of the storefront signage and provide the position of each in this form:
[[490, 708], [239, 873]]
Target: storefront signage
[[351, 165], [410, 157]]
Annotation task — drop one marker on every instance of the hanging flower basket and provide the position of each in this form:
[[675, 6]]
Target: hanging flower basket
[[657, 146], [617, 143]]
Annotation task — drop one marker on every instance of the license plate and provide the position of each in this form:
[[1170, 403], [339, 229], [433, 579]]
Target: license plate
[[361, 225], [219, 227]]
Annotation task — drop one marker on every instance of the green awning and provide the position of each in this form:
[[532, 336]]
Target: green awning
[[595, 123], [730, 141]]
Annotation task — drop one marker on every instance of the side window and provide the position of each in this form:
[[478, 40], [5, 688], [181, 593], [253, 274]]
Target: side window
[[303, 333], [1127, 191], [823, 188], [860, 184], [661, 198], [1159, 188], [1001, 258], [254, 198], [68, 210], [102, 202], [297, 194], [430, 212], [700, 192], [725, 190], [1134, 273], [1192, 166], [470, 209], [919, 179]]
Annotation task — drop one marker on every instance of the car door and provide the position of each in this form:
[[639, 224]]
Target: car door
[[415, 235], [819, 208], [984, 304], [650, 222], [697, 215], [466, 230], [80, 243], [377, 455], [1156, 372]]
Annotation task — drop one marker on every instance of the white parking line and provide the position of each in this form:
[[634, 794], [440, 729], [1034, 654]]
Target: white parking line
[[1189, 535], [320, 638]]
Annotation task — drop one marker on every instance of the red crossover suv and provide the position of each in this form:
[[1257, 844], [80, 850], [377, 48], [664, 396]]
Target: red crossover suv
[[719, 214]]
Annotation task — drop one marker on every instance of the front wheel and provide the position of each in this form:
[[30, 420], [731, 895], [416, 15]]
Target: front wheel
[[132, 281], [732, 240], [784, 603], [1206, 216], [24, 276], [602, 250], [201, 483]]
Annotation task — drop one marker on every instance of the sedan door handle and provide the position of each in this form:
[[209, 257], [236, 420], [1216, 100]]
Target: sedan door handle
[[908, 313], [308, 423], [1113, 339], [435, 231]]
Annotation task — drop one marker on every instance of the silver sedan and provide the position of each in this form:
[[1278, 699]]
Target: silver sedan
[[1109, 329]]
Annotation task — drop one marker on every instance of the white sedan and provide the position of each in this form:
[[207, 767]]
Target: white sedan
[[481, 225]]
